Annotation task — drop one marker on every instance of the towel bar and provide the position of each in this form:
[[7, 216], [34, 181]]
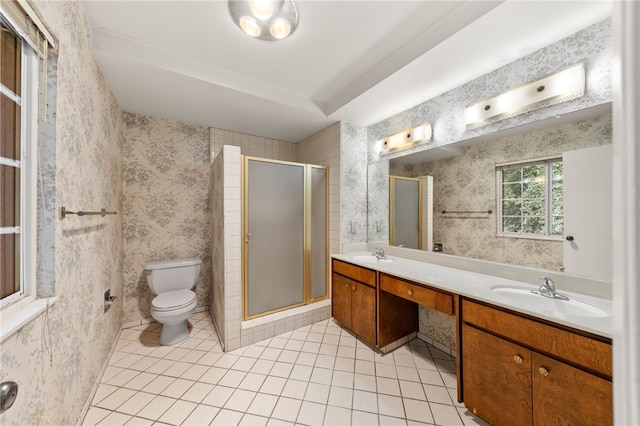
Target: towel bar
[[64, 212]]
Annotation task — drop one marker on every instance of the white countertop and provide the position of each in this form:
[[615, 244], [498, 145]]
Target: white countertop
[[478, 286]]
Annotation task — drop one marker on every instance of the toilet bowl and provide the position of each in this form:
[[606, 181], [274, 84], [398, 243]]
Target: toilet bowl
[[171, 282]]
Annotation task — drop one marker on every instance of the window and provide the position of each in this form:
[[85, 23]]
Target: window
[[530, 198], [18, 87]]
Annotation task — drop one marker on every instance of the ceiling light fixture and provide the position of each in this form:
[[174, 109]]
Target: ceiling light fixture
[[561, 86], [265, 19], [405, 139]]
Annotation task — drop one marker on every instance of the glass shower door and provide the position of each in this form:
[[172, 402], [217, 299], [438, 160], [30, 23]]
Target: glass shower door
[[318, 228], [274, 236], [405, 212]]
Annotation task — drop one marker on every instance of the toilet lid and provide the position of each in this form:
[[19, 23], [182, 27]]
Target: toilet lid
[[173, 300]]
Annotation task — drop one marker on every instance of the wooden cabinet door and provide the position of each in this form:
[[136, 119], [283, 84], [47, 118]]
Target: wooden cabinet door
[[363, 312], [496, 378], [564, 395], [341, 299]]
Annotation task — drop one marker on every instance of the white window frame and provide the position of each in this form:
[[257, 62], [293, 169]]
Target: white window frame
[[28, 177], [499, 219]]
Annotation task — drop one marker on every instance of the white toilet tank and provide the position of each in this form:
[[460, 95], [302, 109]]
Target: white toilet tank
[[171, 275]]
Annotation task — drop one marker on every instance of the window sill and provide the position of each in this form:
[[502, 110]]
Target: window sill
[[16, 319], [532, 237]]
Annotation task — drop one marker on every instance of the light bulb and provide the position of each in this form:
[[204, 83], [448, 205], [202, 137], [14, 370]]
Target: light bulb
[[280, 28], [262, 9], [250, 26]]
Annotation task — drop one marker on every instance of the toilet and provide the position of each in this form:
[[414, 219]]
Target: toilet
[[171, 282]]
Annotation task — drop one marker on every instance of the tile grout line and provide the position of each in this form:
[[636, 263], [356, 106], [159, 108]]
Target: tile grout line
[[311, 334]]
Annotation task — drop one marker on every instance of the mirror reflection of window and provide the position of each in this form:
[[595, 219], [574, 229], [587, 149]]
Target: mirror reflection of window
[[530, 198]]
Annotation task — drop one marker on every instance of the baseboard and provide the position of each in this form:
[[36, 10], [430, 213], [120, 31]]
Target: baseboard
[[94, 389]]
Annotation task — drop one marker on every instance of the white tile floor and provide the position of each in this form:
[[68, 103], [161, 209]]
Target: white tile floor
[[319, 374]]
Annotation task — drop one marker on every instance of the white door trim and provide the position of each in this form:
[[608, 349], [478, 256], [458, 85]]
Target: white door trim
[[626, 211]]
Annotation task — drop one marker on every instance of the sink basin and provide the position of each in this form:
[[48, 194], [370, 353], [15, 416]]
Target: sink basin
[[372, 259], [574, 307]]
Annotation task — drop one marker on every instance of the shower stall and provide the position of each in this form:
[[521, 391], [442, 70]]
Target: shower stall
[[285, 229], [270, 251]]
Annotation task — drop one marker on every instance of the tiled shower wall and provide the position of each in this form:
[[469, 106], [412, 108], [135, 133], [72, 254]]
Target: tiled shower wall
[[250, 145], [322, 148], [226, 232]]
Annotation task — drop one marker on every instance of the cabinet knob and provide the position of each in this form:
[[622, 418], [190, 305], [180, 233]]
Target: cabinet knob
[[543, 371], [517, 359], [409, 292], [353, 288], [346, 284]]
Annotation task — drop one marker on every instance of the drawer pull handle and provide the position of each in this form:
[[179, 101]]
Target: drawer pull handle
[[517, 359], [410, 292], [543, 371]]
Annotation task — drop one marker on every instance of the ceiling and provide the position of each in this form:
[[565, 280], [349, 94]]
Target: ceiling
[[359, 61]]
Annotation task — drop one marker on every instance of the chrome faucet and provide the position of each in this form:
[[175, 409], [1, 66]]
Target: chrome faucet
[[548, 289], [379, 253]]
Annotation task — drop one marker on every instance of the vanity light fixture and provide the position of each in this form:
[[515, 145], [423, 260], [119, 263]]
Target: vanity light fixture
[[265, 19], [564, 85], [405, 139]]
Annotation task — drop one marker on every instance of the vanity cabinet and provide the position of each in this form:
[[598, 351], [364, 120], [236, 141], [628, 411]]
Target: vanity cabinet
[[518, 370], [377, 317], [399, 300], [353, 299]]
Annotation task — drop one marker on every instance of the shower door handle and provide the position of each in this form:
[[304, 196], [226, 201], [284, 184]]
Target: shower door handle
[[248, 238]]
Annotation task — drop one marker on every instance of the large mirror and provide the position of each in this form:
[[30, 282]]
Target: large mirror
[[536, 196]]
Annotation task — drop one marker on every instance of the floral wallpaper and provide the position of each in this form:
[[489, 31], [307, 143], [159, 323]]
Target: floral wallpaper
[[155, 174], [353, 183], [593, 46], [378, 202], [56, 358], [166, 204], [438, 326], [468, 182]]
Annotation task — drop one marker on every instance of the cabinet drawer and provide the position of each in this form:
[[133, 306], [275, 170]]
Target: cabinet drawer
[[420, 294], [355, 272], [584, 351]]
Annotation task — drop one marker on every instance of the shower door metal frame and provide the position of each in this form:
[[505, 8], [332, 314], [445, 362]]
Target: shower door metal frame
[[307, 299]]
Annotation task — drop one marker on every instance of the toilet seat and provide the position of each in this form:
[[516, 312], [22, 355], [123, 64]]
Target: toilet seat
[[173, 300]]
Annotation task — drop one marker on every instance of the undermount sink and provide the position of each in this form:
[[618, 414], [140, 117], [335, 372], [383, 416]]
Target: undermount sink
[[372, 259], [574, 307]]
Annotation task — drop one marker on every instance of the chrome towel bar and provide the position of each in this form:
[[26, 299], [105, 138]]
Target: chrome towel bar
[[64, 212]]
